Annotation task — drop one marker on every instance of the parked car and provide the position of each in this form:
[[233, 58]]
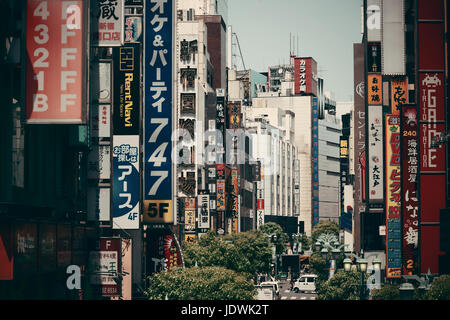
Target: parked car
[[306, 283]]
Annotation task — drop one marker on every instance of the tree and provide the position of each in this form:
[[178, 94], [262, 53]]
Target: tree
[[324, 227], [248, 252], [387, 292], [439, 289], [319, 266], [200, 283], [343, 286], [271, 228]]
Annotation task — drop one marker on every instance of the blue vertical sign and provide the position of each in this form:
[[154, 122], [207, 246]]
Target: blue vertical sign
[[315, 160], [158, 44]]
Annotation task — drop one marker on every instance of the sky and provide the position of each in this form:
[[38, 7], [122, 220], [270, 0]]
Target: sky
[[326, 30]]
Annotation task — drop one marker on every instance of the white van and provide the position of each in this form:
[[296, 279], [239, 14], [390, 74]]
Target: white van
[[306, 283]]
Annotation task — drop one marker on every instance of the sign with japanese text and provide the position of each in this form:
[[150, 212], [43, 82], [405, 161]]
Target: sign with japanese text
[[431, 38], [374, 57], [99, 162], [101, 121], [315, 159], [55, 70], [374, 89], [107, 28], [127, 74], [376, 168], [220, 201], [190, 238], [126, 182], [399, 94], [203, 212], [158, 123], [305, 76], [393, 198], [172, 252], [189, 220], [133, 29], [410, 203], [234, 116], [259, 204], [104, 266]]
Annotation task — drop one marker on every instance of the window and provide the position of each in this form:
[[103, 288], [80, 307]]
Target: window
[[331, 173], [333, 130], [332, 144], [333, 158]]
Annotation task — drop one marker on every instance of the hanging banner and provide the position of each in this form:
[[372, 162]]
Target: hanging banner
[[158, 75], [127, 75], [107, 23], [410, 203], [55, 70], [126, 182], [376, 171], [172, 253], [393, 199], [399, 94]]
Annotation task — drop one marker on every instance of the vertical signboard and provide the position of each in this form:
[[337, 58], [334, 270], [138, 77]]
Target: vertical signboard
[[315, 160], [375, 140], [305, 76], [399, 94], [260, 204], [410, 203], [432, 125], [393, 198], [203, 212], [133, 29], [98, 206], [107, 28], [374, 89], [220, 202], [189, 215], [172, 252], [125, 182], [55, 70], [104, 265], [359, 134], [374, 20], [158, 74], [127, 74]]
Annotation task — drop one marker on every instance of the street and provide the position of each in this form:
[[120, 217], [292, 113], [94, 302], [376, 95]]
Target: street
[[287, 294]]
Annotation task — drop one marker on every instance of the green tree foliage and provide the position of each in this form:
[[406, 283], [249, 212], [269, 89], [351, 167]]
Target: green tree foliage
[[248, 252], [343, 286], [440, 289], [282, 238], [387, 292], [324, 227], [200, 283], [319, 266]]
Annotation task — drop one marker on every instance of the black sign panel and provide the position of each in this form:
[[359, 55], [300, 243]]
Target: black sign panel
[[126, 89], [374, 57]]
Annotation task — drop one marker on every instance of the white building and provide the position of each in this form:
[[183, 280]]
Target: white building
[[273, 131]]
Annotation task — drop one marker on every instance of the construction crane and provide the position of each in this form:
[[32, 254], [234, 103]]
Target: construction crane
[[240, 52]]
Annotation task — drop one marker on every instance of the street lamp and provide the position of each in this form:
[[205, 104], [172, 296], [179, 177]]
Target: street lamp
[[362, 266], [347, 264]]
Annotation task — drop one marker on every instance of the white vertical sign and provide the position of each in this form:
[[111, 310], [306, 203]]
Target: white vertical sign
[[376, 158]]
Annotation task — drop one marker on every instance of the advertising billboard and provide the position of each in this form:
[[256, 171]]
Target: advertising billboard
[[55, 70], [305, 76], [220, 200], [203, 212], [432, 110], [374, 89], [107, 28], [125, 182], [399, 94], [127, 75], [315, 160], [158, 123], [376, 168], [133, 29], [104, 266], [393, 198], [410, 203], [172, 252]]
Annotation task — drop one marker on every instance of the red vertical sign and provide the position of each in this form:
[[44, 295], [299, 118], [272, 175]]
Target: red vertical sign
[[54, 71], [431, 96]]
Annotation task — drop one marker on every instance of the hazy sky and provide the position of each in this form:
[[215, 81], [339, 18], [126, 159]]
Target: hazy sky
[[327, 30]]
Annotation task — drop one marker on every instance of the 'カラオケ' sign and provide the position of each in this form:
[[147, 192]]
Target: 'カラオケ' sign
[[54, 74]]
